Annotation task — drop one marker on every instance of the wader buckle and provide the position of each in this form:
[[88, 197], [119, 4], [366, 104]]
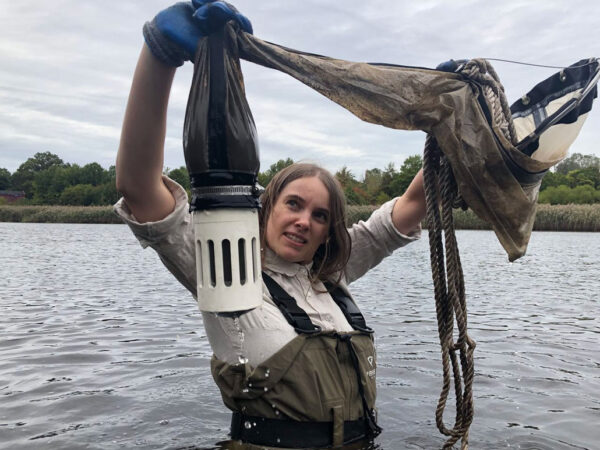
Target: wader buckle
[[299, 321]]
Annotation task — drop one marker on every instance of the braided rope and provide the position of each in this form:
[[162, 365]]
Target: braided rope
[[482, 72], [442, 195], [448, 282]]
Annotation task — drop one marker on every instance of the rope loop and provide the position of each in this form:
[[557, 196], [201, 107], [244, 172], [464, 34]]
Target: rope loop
[[457, 356], [484, 74]]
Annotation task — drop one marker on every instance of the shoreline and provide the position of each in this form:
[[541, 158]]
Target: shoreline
[[548, 218]]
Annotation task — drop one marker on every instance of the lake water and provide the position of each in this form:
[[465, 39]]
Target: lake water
[[100, 348]]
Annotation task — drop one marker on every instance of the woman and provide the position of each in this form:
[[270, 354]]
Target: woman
[[299, 370]]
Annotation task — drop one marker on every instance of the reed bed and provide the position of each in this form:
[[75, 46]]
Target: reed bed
[[464, 220], [58, 214], [355, 213], [568, 218], [549, 217]]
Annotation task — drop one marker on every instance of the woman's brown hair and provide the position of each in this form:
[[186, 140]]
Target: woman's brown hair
[[331, 257]]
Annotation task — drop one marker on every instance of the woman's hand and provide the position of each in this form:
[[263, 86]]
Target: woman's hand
[[173, 35], [171, 38]]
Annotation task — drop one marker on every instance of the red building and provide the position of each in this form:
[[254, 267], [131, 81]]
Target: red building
[[12, 196]]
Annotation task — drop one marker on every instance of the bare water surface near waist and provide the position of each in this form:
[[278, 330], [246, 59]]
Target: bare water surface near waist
[[101, 348]]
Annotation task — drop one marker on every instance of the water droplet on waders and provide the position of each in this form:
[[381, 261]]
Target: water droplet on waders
[[247, 425]]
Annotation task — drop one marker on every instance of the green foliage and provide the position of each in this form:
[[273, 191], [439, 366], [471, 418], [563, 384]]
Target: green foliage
[[563, 195], [49, 183], [577, 161], [93, 174], [589, 176], [362, 195], [352, 198], [108, 193], [387, 177], [381, 198], [575, 180], [23, 178], [46, 180], [378, 186], [553, 179], [372, 184], [181, 176], [41, 161], [351, 187], [265, 177], [346, 177], [410, 167], [89, 195], [80, 194], [5, 180]]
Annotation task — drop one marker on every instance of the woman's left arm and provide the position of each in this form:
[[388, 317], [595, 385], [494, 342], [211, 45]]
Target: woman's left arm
[[395, 224], [410, 208]]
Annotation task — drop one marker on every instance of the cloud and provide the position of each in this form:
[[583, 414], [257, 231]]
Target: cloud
[[67, 67]]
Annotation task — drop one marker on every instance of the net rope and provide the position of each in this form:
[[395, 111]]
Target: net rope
[[449, 289]]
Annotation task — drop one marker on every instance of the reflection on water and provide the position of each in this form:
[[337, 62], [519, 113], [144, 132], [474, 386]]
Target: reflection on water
[[101, 348]]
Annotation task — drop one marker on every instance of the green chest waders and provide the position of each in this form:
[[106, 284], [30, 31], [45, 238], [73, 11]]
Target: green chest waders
[[317, 391]]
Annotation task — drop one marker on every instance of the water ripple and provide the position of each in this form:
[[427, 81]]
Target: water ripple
[[101, 348]]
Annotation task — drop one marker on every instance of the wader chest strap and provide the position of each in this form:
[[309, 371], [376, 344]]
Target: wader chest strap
[[295, 315], [349, 308]]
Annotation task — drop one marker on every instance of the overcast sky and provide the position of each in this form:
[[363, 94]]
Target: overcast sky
[[66, 69]]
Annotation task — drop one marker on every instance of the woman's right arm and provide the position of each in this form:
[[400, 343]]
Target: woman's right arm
[[141, 150], [171, 39]]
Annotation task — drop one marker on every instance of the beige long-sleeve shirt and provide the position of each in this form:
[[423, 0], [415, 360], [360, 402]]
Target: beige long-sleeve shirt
[[257, 334]]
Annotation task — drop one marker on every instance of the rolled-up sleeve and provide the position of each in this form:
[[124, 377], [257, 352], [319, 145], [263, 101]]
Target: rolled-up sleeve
[[172, 237], [375, 239]]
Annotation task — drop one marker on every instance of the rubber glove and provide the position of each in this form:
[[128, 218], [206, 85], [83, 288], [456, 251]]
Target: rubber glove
[[452, 65], [173, 35], [212, 14]]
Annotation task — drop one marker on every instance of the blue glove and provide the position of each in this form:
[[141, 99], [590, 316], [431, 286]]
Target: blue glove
[[211, 15], [173, 35], [452, 65]]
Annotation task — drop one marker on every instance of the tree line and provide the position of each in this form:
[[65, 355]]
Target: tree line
[[47, 180], [576, 179]]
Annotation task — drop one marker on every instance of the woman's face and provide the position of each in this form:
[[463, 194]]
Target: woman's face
[[299, 221]]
